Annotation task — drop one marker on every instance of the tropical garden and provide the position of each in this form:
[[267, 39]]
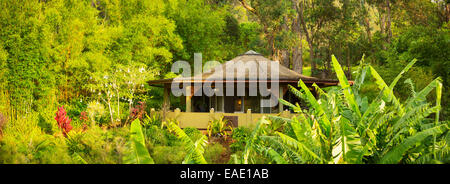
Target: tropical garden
[[73, 80]]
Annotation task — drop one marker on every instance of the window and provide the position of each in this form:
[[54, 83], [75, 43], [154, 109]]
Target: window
[[216, 102], [239, 104]]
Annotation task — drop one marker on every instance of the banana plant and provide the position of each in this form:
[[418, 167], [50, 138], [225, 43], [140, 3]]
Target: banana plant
[[195, 149], [341, 126], [138, 152]]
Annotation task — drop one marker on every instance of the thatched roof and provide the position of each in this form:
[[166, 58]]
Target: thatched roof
[[249, 67]]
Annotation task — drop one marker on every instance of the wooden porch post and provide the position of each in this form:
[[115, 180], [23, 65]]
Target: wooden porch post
[[189, 98], [166, 99], [280, 105]]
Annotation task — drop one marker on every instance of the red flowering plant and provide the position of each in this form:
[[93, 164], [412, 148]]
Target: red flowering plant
[[138, 111], [63, 120]]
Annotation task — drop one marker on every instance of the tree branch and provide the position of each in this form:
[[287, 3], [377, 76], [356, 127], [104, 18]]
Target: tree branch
[[248, 7]]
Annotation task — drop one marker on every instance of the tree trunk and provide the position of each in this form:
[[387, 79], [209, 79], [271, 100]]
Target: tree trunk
[[382, 23], [297, 50], [388, 21], [285, 58], [311, 57], [110, 110], [284, 52], [367, 24], [447, 11], [118, 104], [297, 61], [328, 59], [308, 38]]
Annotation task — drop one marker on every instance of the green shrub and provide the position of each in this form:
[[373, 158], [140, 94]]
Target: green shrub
[[168, 154], [193, 133], [219, 128], [97, 146], [75, 107], [214, 152], [239, 136], [155, 120], [162, 137], [24, 142], [236, 158], [155, 135]]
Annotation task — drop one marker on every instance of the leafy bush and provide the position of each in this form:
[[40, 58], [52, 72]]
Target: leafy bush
[[193, 133], [155, 120], [214, 153], [96, 145], [63, 120], [239, 136], [75, 107], [431, 48], [168, 154], [138, 111], [218, 128], [23, 142]]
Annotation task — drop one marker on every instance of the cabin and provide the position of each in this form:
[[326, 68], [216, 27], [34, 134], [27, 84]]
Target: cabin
[[241, 90]]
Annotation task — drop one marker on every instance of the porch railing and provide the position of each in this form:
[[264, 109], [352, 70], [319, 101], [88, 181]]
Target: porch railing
[[200, 120]]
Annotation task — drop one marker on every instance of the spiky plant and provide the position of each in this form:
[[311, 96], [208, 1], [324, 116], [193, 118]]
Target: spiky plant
[[219, 128], [341, 126]]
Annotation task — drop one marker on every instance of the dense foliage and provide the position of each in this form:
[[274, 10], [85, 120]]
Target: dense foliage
[[94, 57], [343, 126]]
